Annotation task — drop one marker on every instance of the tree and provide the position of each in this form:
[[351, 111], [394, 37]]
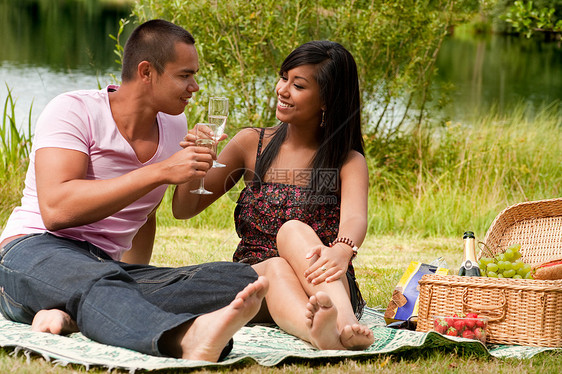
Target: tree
[[243, 42]]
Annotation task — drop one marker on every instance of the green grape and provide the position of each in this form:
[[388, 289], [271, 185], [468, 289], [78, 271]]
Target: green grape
[[507, 265], [517, 276], [509, 255], [509, 273], [516, 255], [500, 275], [492, 274], [500, 257], [526, 268], [518, 265], [528, 276], [492, 267], [516, 247], [487, 260]]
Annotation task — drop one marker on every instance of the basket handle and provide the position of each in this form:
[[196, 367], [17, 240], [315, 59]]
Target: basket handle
[[494, 313]]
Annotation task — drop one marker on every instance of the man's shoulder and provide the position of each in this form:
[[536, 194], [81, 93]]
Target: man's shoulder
[[85, 96]]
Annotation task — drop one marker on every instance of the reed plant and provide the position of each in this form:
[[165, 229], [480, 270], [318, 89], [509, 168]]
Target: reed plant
[[460, 176], [14, 156]]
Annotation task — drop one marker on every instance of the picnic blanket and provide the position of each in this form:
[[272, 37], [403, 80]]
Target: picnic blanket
[[266, 345]]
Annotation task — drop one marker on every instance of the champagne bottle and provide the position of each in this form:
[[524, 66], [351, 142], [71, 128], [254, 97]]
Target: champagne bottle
[[469, 266]]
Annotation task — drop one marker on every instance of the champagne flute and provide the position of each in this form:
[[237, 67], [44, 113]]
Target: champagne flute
[[205, 133], [218, 112]]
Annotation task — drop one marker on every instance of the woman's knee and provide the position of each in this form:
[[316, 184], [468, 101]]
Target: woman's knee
[[295, 235], [291, 229]]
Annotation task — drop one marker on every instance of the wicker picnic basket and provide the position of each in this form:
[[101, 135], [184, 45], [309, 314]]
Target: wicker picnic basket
[[520, 311]]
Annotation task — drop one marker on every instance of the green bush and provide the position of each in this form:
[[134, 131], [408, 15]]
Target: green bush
[[242, 44]]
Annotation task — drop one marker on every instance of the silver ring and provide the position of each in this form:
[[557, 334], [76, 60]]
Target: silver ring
[[323, 268]]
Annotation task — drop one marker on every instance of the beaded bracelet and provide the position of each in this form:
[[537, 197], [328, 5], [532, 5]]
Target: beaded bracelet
[[347, 241]]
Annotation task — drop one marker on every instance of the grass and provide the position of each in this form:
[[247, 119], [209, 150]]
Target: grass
[[379, 266], [463, 174]]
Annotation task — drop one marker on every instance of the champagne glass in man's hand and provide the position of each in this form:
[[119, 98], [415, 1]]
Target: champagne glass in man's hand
[[205, 137]]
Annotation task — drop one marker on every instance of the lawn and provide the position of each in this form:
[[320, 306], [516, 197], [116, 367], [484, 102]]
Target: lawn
[[381, 262]]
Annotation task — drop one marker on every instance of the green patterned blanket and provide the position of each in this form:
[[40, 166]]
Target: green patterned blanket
[[263, 344]]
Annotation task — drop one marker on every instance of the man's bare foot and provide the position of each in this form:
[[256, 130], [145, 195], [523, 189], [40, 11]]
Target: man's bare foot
[[321, 318], [356, 337], [54, 321], [207, 336]]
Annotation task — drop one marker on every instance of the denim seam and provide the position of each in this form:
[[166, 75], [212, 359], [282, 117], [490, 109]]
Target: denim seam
[[8, 247]]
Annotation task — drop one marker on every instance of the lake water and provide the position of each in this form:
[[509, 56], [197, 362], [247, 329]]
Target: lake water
[[51, 47]]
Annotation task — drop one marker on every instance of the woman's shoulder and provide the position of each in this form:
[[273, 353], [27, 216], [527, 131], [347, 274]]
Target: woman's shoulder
[[355, 158], [251, 135]]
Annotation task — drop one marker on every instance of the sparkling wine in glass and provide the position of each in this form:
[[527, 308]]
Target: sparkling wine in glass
[[205, 133], [218, 112]]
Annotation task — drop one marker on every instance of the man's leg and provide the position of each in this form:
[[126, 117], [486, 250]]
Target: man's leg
[[46, 272], [205, 337]]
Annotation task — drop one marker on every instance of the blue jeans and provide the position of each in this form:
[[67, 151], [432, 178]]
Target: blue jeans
[[114, 303]]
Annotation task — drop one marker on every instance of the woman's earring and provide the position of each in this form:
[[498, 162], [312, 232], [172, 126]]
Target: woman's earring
[[323, 123]]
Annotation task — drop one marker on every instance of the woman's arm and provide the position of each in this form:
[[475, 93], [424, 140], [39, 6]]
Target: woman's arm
[[143, 243], [354, 179], [354, 200], [238, 155]]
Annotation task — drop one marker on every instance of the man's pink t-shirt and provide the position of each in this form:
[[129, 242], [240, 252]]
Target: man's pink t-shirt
[[82, 121]]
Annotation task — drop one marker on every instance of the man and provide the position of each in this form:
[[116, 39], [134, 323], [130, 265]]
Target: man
[[100, 164]]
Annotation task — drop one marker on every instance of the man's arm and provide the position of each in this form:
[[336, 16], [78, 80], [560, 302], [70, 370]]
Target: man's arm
[[67, 199]]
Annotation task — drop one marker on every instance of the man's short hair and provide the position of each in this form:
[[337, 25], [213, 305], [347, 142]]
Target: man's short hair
[[153, 41]]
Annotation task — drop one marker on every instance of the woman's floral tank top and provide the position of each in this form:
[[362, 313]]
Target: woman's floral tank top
[[263, 207]]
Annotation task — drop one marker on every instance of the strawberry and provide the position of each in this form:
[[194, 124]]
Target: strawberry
[[459, 324], [471, 315], [452, 331], [449, 321], [480, 334], [468, 334], [480, 323], [441, 327], [470, 322]]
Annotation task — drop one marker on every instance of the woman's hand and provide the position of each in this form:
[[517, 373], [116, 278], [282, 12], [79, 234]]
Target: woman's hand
[[190, 138], [328, 263]]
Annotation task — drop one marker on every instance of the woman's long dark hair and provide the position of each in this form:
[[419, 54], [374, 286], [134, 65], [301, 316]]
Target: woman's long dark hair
[[336, 74]]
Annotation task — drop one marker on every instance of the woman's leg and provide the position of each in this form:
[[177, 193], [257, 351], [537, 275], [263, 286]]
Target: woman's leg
[[288, 305], [294, 240]]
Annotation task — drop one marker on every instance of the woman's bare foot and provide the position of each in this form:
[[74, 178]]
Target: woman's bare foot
[[321, 318], [54, 321], [356, 337], [207, 336]]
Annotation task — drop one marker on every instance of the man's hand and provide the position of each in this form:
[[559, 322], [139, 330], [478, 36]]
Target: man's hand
[[188, 164]]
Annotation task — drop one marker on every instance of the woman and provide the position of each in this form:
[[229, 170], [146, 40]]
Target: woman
[[305, 199]]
